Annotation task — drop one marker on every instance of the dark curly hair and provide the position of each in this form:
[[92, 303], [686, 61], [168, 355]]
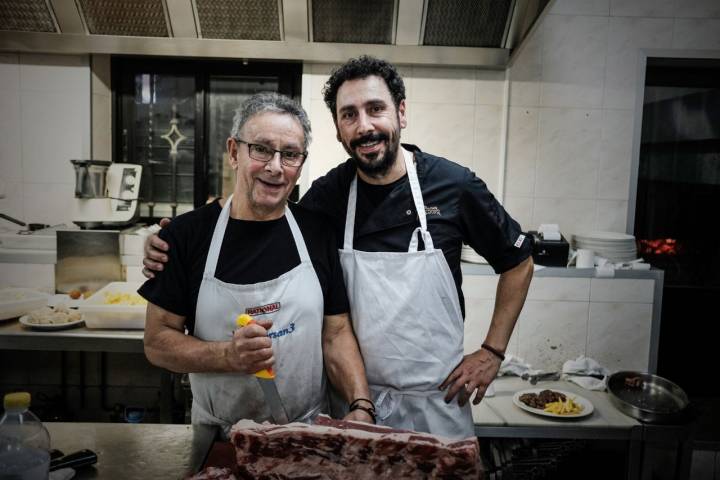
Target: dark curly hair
[[363, 67]]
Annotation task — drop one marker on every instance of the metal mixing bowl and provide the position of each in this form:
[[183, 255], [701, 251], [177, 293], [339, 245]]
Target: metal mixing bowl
[[654, 400]]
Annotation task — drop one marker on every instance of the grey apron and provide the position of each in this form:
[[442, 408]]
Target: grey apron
[[294, 302], [408, 322]]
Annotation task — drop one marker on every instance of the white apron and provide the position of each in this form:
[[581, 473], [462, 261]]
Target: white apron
[[408, 322], [294, 302]]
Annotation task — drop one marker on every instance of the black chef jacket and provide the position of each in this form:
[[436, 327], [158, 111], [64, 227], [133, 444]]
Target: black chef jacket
[[458, 205]]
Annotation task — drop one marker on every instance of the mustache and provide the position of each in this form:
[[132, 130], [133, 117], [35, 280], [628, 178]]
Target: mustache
[[370, 137]]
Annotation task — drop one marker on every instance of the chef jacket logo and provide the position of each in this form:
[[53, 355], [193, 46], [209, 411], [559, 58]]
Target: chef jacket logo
[[263, 309], [432, 211]]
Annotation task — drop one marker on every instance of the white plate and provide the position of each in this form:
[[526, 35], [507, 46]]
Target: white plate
[[25, 320], [587, 407], [604, 236]]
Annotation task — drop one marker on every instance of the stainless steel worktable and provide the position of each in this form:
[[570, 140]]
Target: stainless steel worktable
[[136, 451], [172, 451], [14, 336], [497, 416]]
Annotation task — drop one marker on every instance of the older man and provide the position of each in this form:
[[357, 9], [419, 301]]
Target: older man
[[252, 253], [401, 216]]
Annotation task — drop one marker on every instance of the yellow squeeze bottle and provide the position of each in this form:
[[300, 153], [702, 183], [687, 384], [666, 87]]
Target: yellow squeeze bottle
[[244, 320]]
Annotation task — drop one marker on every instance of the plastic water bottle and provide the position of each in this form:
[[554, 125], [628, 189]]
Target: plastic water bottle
[[24, 441]]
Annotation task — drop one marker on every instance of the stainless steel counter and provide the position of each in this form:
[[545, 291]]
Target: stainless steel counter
[[13, 336], [136, 451], [141, 451]]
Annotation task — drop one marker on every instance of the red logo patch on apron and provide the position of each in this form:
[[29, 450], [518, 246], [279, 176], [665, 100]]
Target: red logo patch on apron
[[263, 309]]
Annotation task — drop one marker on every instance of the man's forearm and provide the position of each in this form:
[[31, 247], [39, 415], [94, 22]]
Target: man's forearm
[[343, 361], [177, 352], [510, 297], [167, 346]]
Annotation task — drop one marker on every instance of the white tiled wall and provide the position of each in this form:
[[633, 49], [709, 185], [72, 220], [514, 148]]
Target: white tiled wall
[[45, 122], [608, 320], [40, 276], [572, 101], [453, 113]]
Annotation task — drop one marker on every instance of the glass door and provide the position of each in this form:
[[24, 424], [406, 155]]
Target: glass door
[[225, 94], [173, 117]]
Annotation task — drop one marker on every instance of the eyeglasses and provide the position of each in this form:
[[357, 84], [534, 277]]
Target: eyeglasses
[[264, 154]]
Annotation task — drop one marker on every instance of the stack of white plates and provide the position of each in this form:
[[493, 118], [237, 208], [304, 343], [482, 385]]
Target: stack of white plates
[[467, 254], [616, 247]]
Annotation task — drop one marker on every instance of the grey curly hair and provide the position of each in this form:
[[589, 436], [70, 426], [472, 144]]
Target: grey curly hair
[[270, 102]]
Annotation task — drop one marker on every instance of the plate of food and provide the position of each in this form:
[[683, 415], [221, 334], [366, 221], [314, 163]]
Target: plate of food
[[553, 403], [52, 318]]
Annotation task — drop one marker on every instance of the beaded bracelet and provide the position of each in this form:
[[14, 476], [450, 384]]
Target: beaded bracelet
[[369, 411], [354, 402]]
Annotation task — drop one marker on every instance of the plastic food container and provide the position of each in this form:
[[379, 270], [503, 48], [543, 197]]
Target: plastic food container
[[97, 313], [15, 302]]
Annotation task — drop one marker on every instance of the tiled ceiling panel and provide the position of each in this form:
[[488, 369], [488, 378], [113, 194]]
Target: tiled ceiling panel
[[352, 21], [138, 18], [26, 16], [466, 23], [240, 19]]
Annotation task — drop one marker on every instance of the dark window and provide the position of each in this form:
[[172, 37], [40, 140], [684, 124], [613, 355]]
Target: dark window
[[678, 194], [173, 117]]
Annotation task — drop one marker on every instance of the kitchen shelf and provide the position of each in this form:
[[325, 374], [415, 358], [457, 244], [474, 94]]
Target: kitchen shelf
[[13, 336]]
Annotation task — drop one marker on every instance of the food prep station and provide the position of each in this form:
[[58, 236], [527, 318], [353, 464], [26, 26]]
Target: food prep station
[[184, 447], [174, 451], [568, 306], [497, 418]]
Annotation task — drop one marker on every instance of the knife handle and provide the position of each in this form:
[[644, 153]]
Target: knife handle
[[74, 460], [244, 320]]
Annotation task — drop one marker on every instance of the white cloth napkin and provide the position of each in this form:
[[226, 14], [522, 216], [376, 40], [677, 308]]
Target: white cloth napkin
[[513, 365], [585, 365]]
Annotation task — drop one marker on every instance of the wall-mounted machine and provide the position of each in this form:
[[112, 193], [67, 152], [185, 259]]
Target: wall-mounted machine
[[106, 193]]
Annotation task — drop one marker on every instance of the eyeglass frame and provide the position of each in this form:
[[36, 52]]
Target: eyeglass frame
[[274, 151]]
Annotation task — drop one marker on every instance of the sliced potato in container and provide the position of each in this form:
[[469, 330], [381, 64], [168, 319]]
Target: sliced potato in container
[[116, 305]]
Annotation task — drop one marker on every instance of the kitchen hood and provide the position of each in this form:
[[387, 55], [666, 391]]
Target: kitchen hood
[[478, 33]]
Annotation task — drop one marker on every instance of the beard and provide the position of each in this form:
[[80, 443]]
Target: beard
[[375, 165]]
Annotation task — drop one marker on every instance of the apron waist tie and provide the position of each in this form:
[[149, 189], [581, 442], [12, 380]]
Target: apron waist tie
[[388, 397]]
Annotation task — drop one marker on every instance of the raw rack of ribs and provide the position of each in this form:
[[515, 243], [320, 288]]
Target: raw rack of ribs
[[336, 449]]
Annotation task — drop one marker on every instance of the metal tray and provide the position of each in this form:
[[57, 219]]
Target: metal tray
[[654, 400]]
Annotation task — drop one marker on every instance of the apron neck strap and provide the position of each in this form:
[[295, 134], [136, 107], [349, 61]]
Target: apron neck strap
[[219, 234], [350, 215], [217, 238], [422, 230], [415, 188], [297, 236], [417, 200]]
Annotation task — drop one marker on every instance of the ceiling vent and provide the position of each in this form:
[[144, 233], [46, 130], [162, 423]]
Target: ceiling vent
[[466, 23], [134, 18], [239, 19], [351, 21], [414, 32], [26, 16]]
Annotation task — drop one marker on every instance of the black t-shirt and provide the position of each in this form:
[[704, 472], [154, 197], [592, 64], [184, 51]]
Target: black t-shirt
[[458, 205], [251, 252]]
